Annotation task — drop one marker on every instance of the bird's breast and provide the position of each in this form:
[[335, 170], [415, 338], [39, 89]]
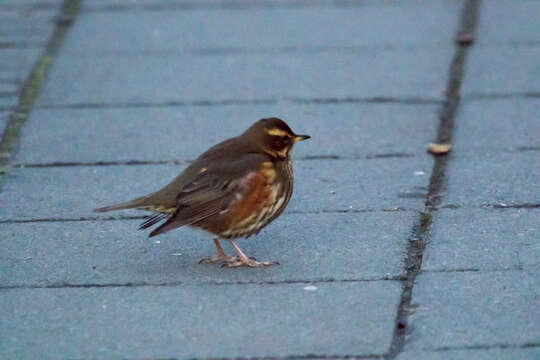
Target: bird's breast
[[261, 196]]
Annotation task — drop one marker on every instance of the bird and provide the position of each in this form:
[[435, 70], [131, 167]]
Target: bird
[[232, 190]]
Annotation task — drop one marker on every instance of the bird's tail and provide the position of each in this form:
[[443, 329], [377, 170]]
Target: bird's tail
[[141, 202]]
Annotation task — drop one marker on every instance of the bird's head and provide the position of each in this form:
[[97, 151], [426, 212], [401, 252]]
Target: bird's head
[[273, 137]]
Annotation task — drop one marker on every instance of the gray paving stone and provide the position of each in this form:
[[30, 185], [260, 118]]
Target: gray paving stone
[[476, 354], [345, 130], [309, 247], [502, 178], [475, 309], [488, 69], [483, 239], [8, 102], [497, 125], [273, 28], [522, 31], [505, 50], [345, 185], [18, 63], [198, 321], [159, 78]]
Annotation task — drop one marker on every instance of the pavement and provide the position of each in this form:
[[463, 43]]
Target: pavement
[[385, 251]]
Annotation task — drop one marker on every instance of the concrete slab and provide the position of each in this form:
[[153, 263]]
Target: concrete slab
[[523, 31], [269, 28], [483, 239], [488, 69], [183, 133], [159, 78], [464, 309], [18, 63], [199, 321], [309, 247], [493, 179], [320, 185], [497, 125], [8, 102], [477, 354]]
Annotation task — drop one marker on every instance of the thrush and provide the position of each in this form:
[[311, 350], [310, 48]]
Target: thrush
[[232, 190]]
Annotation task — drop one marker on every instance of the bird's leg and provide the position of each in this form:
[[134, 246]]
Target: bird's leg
[[221, 256], [243, 260]]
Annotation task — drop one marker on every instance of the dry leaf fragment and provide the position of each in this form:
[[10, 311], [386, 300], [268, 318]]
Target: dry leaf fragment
[[465, 39], [439, 149]]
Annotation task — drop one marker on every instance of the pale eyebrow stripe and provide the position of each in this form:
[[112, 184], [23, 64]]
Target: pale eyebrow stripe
[[276, 131]]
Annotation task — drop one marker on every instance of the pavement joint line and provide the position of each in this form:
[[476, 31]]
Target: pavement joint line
[[324, 211], [499, 206], [527, 148], [437, 182], [268, 101], [485, 347], [288, 357], [521, 268], [229, 5], [204, 283], [32, 86], [143, 217], [501, 96], [21, 45], [301, 49], [185, 162], [295, 100]]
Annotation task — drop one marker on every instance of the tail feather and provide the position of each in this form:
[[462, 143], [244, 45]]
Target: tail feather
[[154, 219], [137, 203]]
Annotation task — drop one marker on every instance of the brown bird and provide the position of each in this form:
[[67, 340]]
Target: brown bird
[[233, 190]]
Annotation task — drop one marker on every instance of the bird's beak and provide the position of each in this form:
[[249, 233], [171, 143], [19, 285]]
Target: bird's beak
[[301, 137]]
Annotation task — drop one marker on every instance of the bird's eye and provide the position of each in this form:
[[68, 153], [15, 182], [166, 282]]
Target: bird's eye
[[284, 138]]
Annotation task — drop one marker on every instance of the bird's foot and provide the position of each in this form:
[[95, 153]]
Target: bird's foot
[[249, 262], [217, 258]]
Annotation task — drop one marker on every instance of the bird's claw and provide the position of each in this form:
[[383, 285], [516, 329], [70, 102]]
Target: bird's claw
[[249, 262], [217, 258]]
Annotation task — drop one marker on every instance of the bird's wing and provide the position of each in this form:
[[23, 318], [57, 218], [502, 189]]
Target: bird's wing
[[210, 191]]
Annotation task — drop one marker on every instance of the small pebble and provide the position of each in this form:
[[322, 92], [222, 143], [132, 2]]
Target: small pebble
[[158, 242], [310, 288], [418, 173]]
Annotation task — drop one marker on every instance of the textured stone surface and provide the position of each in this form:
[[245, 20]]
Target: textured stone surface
[[183, 133], [485, 74], [475, 309], [524, 30], [308, 246], [320, 185], [505, 60], [471, 179], [498, 125], [483, 239], [199, 321], [159, 78], [269, 28]]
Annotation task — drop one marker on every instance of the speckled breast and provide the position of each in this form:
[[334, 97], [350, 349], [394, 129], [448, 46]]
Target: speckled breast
[[270, 192]]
